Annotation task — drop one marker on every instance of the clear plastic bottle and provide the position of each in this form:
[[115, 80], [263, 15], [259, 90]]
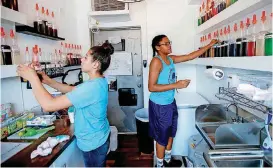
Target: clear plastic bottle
[[35, 58], [16, 58], [27, 59], [261, 36], [5, 49]]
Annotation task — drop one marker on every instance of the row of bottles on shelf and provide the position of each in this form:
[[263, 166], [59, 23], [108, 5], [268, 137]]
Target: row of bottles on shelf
[[45, 22], [67, 55], [210, 8], [72, 54], [253, 39], [9, 54]]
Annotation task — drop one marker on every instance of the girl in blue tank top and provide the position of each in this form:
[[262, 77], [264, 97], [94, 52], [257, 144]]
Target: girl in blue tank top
[[162, 106]]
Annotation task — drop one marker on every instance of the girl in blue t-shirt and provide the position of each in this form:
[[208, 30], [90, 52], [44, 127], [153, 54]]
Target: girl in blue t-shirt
[[162, 106], [90, 99]]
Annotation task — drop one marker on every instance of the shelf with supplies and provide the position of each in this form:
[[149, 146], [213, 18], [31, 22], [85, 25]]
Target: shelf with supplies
[[31, 31], [12, 16], [8, 71], [259, 63], [238, 10]]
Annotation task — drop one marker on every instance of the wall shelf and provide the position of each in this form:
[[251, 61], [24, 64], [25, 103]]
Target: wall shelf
[[259, 63], [238, 10], [8, 71], [31, 31], [12, 16], [111, 16]]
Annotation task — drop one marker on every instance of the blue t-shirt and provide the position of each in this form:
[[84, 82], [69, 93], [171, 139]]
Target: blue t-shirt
[[90, 100], [167, 76]]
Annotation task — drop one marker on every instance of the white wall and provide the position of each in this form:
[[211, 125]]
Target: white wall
[[11, 89]]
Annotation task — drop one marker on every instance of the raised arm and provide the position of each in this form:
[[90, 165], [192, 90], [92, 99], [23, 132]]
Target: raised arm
[[183, 58], [56, 85], [44, 98]]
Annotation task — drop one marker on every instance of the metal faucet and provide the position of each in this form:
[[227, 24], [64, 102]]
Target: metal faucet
[[237, 119]]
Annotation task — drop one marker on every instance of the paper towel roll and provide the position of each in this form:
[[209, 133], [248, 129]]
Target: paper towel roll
[[217, 74]]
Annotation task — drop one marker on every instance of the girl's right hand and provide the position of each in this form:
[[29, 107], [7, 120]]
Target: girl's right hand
[[45, 79], [182, 84]]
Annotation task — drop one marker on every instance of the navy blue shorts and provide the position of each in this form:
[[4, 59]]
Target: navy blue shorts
[[162, 121]]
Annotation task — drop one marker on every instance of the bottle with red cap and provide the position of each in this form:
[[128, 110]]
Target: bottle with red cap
[[239, 41], [260, 41], [224, 52], [232, 41], [16, 59], [218, 45], [251, 36], [221, 45], [44, 22], [27, 59], [244, 39], [38, 25], [69, 63], [49, 24], [212, 50], [54, 26], [5, 49], [35, 58]]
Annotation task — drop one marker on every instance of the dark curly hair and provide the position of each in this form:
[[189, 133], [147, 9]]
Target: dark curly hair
[[103, 55]]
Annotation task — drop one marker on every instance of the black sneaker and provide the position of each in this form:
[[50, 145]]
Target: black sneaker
[[173, 163]]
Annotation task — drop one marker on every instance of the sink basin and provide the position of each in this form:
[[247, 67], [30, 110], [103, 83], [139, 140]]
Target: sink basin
[[213, 113], [235, 158], [221, 136]]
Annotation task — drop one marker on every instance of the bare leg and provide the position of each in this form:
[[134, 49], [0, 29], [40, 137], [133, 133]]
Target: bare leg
[[170, 144], [160, 151]]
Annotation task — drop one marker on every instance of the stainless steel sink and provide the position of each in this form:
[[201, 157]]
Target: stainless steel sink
[[214, 123], [235, 158], [239, 163], [212, 113]]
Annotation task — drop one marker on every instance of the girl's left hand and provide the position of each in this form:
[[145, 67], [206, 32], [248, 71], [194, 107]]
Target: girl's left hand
[[26, 72]]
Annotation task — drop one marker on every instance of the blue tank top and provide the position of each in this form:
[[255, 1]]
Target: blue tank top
[[166, 76]]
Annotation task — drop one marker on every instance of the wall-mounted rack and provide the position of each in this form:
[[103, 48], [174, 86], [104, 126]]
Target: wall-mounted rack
[[230, 95]]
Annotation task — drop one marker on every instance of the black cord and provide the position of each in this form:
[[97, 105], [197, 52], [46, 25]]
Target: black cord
[[66, 73]]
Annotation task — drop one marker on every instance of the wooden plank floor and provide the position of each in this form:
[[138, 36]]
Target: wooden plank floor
[[128, 155]]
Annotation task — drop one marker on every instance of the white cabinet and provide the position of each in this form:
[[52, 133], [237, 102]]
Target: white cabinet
[[70, 157]]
